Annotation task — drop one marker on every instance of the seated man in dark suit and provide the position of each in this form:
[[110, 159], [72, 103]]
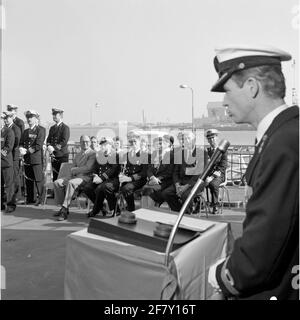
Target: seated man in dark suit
[[105, 180], [189, 163], [134, 171], [218, 174], [159, 173]]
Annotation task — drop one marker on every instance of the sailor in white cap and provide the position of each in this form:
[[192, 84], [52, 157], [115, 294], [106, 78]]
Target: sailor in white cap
[[57, 141], [262, 263], [31, 147], [219, 170], [19, 122]]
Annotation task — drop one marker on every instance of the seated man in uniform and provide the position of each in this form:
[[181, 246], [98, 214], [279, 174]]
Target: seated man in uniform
[[118, 145], [105, 180], [134, 171], [159, 173], [95, 144], [219, 171], [81, 173], [189, 163]]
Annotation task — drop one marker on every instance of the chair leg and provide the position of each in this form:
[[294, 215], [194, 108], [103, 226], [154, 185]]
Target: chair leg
[[221, 198], [45, 198]]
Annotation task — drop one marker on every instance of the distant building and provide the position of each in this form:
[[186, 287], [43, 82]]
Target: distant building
[[217, 112]]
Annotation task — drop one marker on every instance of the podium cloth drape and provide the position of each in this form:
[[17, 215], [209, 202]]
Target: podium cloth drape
[[101, 268]]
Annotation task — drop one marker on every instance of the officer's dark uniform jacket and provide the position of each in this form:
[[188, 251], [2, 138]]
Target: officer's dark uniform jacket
[[221, 165], [59, 135], [187, 169], [107, 166], [164, 171], [7, 144], [265, 259], [33, 138], [136, 165], [17, 132], [20, 123]]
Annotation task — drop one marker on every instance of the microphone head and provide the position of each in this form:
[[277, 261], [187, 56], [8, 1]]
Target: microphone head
[[223, 145]]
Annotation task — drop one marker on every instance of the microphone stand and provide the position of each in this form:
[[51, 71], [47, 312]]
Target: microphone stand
[[222, 148]]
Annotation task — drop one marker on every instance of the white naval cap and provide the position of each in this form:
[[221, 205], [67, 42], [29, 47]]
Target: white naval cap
[[231, 59], [31, 113], [57, 110], [211, 133], [6, 114]]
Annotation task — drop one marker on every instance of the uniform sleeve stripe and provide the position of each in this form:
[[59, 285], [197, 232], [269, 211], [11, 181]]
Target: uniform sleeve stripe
[[227, 279]]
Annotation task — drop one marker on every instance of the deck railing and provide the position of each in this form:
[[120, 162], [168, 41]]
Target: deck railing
[[239, 157]]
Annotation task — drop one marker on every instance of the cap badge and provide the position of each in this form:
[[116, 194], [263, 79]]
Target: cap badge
[[242, 65]]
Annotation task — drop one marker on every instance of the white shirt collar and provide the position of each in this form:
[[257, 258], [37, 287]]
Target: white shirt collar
[[32, 127], [265, 123], [57, 124], [10, 125]]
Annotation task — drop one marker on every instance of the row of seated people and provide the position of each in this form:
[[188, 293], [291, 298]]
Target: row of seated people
[[166, 175]]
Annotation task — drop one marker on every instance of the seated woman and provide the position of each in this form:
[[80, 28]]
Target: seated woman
[[159, 173], [105, 180]]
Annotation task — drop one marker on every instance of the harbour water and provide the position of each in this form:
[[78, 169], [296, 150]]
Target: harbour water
[[242, 137]]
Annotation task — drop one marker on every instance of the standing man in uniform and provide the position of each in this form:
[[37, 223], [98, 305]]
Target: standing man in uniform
[[219, 170], [57, 142], [8, 120], [7, 173], [17, 121], [265, 259], [31, 147]]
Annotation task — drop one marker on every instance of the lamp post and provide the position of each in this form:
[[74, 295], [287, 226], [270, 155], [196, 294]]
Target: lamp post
[[184, 86], [91, 112]]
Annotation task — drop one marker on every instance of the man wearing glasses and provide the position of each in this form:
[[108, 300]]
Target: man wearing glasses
[[80, 173]]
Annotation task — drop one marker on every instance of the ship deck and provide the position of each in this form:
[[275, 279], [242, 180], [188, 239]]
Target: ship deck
[[33, 246]]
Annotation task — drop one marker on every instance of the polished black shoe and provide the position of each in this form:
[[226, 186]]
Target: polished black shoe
[[38, 202], [29, 202], [10, 209], [91, 214], [63, 214], [215, 210]]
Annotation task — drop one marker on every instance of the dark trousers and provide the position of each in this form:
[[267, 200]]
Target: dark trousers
[[34, 175], [7, 185], [175, 203], [154, 192], [56, 164], [16, 174], [98, 192], [128, 189], [214, 189]]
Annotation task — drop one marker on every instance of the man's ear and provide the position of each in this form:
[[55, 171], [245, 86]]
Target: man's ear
[[253, 87]]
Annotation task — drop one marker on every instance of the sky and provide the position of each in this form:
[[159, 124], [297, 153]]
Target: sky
[[131, 55]]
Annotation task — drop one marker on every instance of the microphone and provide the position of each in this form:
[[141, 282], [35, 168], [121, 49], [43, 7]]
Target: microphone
[[221, 148]]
